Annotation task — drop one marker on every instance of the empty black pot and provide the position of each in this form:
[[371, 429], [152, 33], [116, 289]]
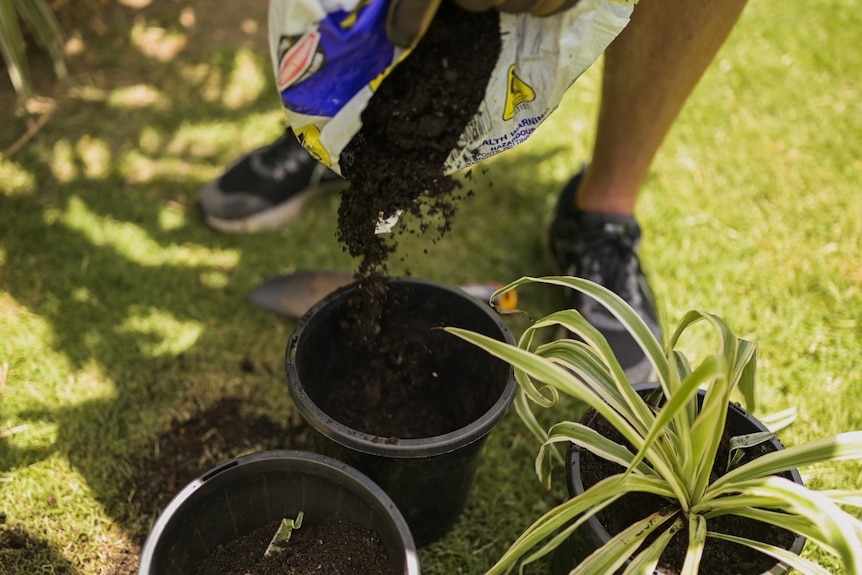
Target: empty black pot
[[429, 478], [249, 492]]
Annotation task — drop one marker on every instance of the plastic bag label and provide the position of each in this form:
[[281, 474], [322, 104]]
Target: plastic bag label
[[330, 56]]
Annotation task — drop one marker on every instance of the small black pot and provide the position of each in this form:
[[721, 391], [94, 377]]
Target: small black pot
[[593, 534], [249, 492], [428, 478]]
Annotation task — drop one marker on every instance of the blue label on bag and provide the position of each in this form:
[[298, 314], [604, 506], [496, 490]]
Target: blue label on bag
[[321, 70]]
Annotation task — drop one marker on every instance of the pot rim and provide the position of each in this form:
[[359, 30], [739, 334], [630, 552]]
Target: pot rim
[[354, 479], [391, 447]]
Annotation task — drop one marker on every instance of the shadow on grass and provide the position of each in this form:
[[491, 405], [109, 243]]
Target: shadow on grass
[[21, 552], [88, 252], [139, 294]]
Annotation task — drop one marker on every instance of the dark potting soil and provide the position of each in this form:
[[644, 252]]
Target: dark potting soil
[[333, 547], [396, 162], [719, 557], [401, 389]]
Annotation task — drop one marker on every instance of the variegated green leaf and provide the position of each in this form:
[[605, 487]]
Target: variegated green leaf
[[834, 526], [802, 565], [696, 541], [40, 17], [738, 443], [622, 546], [833, 448], [596, 443], [647, 560], [775, 422]]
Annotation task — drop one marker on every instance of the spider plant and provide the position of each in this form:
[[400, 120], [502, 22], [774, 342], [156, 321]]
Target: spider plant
[[673, 447], [37, 14]]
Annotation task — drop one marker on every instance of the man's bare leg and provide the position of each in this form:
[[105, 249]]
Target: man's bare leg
[[650, 71]]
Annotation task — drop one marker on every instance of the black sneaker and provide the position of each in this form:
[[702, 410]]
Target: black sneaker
[[265, 188], [604, 248]]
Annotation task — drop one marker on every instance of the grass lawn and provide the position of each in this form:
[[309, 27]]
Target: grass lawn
[[122, 315]]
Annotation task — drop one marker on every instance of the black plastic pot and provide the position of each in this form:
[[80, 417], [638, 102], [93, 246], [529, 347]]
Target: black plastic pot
[[428, 478], [593, 534], [249, 492]]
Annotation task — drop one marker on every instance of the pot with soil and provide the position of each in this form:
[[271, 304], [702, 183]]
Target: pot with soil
[[225, 521], [700, 474], [409, 405], [583, 470]]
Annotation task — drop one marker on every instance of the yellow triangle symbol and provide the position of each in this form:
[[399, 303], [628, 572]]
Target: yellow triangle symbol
[[310, 137], [518, 92]]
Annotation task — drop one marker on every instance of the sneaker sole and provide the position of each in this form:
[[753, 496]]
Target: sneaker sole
[[275, 217]]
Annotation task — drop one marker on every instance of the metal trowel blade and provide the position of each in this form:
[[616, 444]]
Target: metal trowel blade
[[294, 294]]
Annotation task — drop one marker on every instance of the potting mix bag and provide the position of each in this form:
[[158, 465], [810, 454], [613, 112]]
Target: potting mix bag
[[329, 57]]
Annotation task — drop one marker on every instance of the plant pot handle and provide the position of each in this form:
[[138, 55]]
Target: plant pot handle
[[291, 346]]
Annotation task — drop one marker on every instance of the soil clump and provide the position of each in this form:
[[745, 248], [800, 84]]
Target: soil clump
[[420, 381]]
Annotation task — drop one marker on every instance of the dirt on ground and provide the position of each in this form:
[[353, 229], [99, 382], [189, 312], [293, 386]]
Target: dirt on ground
[[189, 448]]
